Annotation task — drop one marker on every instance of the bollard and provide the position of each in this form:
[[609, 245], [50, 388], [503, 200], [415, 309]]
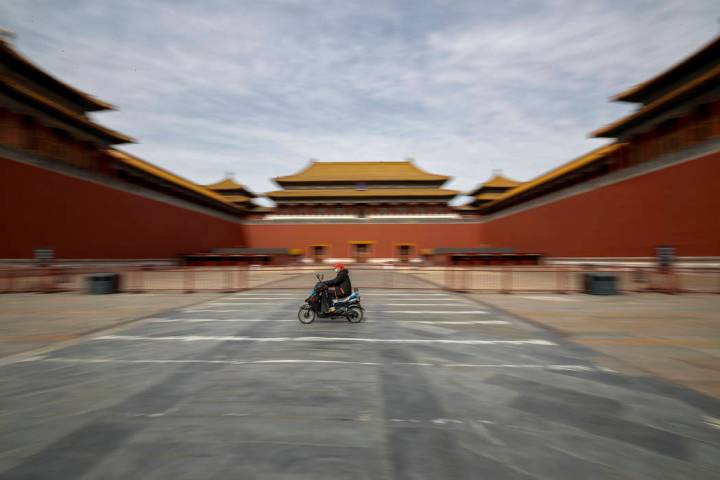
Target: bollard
[[188, 280], [227, 274]]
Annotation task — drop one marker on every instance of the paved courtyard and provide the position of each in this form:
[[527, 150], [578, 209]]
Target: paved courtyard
[[431, 386]]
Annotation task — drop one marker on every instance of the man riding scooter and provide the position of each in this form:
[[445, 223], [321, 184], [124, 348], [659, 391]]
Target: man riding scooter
[[339, 286]]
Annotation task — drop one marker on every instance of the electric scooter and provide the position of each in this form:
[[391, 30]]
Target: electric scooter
[[348, 307]]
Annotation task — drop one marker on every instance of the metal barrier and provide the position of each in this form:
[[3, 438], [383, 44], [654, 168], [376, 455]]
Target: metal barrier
[[568, 279], [503, 279]]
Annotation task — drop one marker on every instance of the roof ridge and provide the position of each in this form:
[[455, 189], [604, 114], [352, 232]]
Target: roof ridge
[[361, 171], [350, 162], [62, 109], [628, 92], [92, 99]]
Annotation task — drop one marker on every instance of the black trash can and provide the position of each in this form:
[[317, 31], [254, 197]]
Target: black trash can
[[600, 283], [103, 283]]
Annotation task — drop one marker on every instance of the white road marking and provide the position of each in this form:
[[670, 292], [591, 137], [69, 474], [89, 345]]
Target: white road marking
[[202, 320], [713, 422], [439, 421], [443, 421], [152, 415], [433, 312], [426, 304], [265, 293], [231, 338], [551, 299], [233, 299], [290, 361], [226, 304], [419, 295], [202, 310], [268, 320], [460, 322]]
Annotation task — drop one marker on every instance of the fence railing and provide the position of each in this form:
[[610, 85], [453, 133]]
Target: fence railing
[[503, 279], [568, 279]]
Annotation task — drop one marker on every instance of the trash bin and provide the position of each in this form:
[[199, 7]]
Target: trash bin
[[103, 283], [600, 283]]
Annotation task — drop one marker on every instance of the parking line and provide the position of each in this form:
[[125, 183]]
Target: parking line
[[267, 294], [203, 320], [222, 304], [457, 304], [292, 361], [419, 295], [460, 322], [434, 312], [231, 338], [548, 298], [268, 320], [261, 298], [208, 310]]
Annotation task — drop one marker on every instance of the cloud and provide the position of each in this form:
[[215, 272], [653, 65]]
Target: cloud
[[259, 87]]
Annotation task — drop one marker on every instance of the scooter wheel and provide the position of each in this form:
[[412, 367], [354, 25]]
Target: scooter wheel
[[306, 316], [355, 315]]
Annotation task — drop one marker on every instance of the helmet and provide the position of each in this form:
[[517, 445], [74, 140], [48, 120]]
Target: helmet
[[339, 266]]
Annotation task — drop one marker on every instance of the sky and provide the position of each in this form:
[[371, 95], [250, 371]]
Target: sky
[[258, 88]]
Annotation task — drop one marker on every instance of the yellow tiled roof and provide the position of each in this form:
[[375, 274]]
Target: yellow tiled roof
[[361, 172], [709, 78], [170, 177], [497, 181], [61, 110], [91, 102], [500, 181], [666, 75], [236, 198], [489, 196], [558, 172], [225, 184], [369, 193]]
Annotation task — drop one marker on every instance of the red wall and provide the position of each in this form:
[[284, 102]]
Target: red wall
[[679, 206], [81, 219], [385, 236]]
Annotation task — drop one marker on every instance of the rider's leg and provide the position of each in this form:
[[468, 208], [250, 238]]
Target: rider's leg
[[324, 301], [332, 307]]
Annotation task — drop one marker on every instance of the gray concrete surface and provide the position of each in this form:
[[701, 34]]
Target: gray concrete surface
[[431, 386], [675, 337], [30, 321]]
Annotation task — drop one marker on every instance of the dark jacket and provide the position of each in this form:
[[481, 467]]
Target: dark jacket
[[342, 284]]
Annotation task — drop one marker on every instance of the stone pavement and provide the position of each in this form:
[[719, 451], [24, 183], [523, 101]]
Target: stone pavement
[[674, 337], [430, 386], [29, 321]]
